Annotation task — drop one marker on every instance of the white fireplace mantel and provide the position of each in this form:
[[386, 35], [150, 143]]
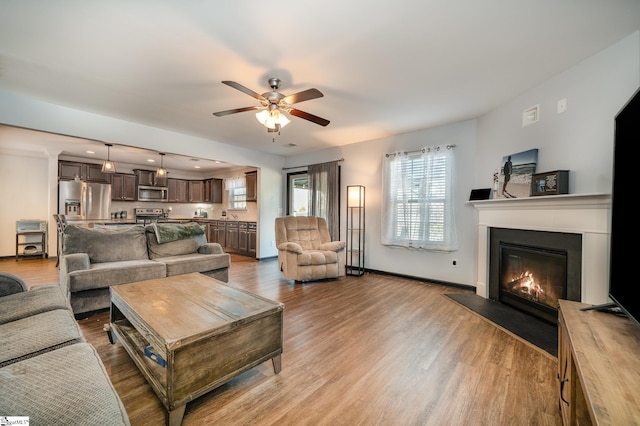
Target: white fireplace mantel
[[585, 214]]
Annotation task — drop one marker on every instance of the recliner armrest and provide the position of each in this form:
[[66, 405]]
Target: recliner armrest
[[292, 247], [332, 246]]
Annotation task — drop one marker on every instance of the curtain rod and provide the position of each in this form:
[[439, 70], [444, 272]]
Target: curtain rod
[[437, 148], [297, 167]]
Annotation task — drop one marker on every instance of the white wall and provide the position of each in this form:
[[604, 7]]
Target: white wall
[[580, 140], [23, 187]]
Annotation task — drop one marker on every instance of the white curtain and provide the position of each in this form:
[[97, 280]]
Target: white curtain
[[417, 204], [235, 183]]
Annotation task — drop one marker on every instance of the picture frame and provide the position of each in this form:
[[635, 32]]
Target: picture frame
[[550, 183], [516, 172]]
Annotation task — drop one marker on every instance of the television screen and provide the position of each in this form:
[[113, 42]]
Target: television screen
[[623, 283]]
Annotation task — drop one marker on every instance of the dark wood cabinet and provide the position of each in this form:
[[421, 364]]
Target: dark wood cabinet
[[196, 191], [247, 239], [252, 186], [149, 178], [231, 240], [88, 172], [123, 187], [178, 190], [94, 174], [213, 191]]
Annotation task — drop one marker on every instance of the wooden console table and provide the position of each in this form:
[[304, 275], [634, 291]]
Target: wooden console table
[[598, 367]]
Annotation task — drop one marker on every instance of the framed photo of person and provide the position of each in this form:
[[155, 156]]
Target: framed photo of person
[[516, 172]]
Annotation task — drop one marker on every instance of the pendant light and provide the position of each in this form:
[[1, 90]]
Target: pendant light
[[161, 171], [108, 166]]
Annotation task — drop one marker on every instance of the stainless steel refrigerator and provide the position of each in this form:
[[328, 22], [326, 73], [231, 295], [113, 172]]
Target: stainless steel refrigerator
[[84, 200]]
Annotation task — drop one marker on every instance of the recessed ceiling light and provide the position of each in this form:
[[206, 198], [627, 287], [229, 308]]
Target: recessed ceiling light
[[90, 152], [196, 167], [151, 160]]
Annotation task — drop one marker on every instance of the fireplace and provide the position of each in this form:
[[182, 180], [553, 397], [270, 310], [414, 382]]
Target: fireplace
[[530, 270]]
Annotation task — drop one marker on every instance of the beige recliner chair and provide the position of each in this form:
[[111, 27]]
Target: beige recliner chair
[[305, 250]]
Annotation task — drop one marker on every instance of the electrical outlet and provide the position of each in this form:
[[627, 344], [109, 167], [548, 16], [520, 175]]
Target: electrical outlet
[[273, 243], [454, 263]]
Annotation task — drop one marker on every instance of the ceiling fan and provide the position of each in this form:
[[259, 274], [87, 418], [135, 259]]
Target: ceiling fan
[[273, 104]]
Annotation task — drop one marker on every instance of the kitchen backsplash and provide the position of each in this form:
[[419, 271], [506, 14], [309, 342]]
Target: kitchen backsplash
[[180, 210]]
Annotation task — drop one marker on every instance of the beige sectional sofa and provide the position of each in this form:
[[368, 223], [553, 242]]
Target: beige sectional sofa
[[49, 373], [94, 259]]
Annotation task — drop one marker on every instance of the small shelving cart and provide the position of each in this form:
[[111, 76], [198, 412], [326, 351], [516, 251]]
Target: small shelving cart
[[31, 238]]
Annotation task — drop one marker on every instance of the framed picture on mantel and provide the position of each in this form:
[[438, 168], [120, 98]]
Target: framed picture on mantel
[[515, 174]]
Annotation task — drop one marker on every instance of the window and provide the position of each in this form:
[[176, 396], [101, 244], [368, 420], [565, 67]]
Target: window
[[237, 189], [299, 195], [417, 200]]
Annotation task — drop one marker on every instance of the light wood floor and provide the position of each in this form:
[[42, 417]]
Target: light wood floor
[[370, 350]]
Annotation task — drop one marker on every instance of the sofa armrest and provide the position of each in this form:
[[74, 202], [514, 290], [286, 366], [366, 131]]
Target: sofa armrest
[[332, 246], [291, 247], [11, 284], [76, 262], [211, 248]]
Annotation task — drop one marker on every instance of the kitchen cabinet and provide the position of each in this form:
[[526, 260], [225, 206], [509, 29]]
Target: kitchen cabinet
[[93, 173], [219, 232], [178, 190], [231, 237], [252, 185], [149, 178], [123, 187], [247, 239], [88, 172], [196, 191], [213, 191]]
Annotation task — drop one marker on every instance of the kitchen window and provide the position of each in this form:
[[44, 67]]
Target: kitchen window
[[237, 190]]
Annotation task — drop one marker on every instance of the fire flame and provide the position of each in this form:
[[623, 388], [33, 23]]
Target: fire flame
[[526, 285]]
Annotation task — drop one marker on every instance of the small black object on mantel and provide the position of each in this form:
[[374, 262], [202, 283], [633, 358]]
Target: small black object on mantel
[[550, 183], [480, 194]]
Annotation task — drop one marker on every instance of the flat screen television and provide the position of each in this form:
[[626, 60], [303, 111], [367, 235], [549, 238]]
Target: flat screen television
[[623, 260]]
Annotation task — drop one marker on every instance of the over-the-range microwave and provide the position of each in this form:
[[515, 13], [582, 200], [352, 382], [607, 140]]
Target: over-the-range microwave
[[153, 193]]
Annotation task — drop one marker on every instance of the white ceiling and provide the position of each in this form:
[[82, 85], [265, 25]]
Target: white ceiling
[[384, 67]]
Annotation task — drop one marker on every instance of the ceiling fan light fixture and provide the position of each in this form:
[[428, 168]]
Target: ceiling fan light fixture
[[161, 171], [272, 119], [108, 166]]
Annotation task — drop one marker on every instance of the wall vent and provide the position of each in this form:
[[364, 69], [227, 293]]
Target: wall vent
[[531, 115]]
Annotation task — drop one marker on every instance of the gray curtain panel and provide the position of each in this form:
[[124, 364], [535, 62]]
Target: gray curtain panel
[[325, 195]]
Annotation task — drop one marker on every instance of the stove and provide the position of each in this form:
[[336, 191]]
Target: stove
[[148, 215]]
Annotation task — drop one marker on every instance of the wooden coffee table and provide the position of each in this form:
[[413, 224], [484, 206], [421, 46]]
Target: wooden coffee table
[[203, 331]]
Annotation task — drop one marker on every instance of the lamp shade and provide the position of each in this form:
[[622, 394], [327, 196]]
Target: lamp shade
[[161, 171], [355, 196], [108, 166]]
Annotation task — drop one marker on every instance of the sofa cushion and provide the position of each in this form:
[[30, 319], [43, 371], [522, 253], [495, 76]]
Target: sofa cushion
[[67, 386], [173, 248], [106, 245], [34, 335], [41, 298], [102, 275], [195, 262]]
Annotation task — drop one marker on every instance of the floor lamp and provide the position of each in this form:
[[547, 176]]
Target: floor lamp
[[355, 230]]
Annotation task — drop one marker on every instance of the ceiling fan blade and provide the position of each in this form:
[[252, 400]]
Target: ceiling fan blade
[[307, 116], [305, 95], [233, 111], [241, 88]]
